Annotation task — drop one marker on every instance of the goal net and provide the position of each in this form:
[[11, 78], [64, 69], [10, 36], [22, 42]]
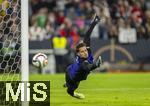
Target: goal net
[[11, 45]]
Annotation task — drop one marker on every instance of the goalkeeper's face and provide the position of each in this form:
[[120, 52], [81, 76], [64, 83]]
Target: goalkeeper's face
[[83, 52]]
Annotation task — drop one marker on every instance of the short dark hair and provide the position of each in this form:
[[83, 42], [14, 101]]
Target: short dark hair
[[79, 45]]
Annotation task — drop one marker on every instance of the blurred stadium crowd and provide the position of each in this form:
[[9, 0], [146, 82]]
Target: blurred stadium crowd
[[60, 24], [70, 18], [64, 22]]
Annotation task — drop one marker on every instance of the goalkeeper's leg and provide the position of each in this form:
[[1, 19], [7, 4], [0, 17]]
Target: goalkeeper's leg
[[71, 91], [71, 87]]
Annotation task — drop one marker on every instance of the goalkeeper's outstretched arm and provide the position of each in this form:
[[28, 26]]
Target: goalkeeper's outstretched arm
[[87, 35]]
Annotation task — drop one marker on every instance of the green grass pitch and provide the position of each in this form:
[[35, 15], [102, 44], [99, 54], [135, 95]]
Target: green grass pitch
[[102, 90]]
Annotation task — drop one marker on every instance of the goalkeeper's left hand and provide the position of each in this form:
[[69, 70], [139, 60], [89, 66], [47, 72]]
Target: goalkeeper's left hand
[[99, 61]]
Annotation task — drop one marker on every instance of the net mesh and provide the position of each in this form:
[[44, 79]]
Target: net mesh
[[10, 44]]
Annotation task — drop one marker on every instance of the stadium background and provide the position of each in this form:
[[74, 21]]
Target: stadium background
[[55, 26], [123, 39]]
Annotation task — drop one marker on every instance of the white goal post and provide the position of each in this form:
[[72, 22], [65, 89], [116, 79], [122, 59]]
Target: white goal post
[[24, 45], [24, 40]]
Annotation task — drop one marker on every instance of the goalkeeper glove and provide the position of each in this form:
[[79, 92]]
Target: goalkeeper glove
[[98, 61], [96, 18]]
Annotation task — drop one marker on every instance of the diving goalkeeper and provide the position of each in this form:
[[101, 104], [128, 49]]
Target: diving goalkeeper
[[84, 63]]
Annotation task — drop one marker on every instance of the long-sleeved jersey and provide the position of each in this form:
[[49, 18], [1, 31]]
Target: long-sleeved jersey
[[80, 69]]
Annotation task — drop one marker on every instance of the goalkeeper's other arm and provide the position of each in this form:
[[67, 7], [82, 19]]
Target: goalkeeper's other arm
[[98, 62], [87, 66]]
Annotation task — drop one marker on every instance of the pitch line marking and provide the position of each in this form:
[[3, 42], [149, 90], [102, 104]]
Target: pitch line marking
[[105, 89]]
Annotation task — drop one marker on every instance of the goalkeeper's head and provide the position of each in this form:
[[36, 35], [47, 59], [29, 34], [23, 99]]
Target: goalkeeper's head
[[81, 50]]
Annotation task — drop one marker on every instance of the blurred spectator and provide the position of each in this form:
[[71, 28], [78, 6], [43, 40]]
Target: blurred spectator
[[42, 17], [36, 32], [60, 17], [60, 4], [105, 14], [80, 24], [141, 32], [88, 10], [147, 25], [50, 25], [126, 34], [67, 30], [112, 29], [60, 50], [146, 4], [137, 14]]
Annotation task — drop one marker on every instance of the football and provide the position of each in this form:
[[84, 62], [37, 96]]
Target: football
[[40, 60]]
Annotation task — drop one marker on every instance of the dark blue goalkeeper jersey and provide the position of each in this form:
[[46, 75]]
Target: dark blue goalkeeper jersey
[[80, 69], [76, 71]]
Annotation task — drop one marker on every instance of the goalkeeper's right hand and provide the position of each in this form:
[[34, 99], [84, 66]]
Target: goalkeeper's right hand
[[98, 61], [96, 18]]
